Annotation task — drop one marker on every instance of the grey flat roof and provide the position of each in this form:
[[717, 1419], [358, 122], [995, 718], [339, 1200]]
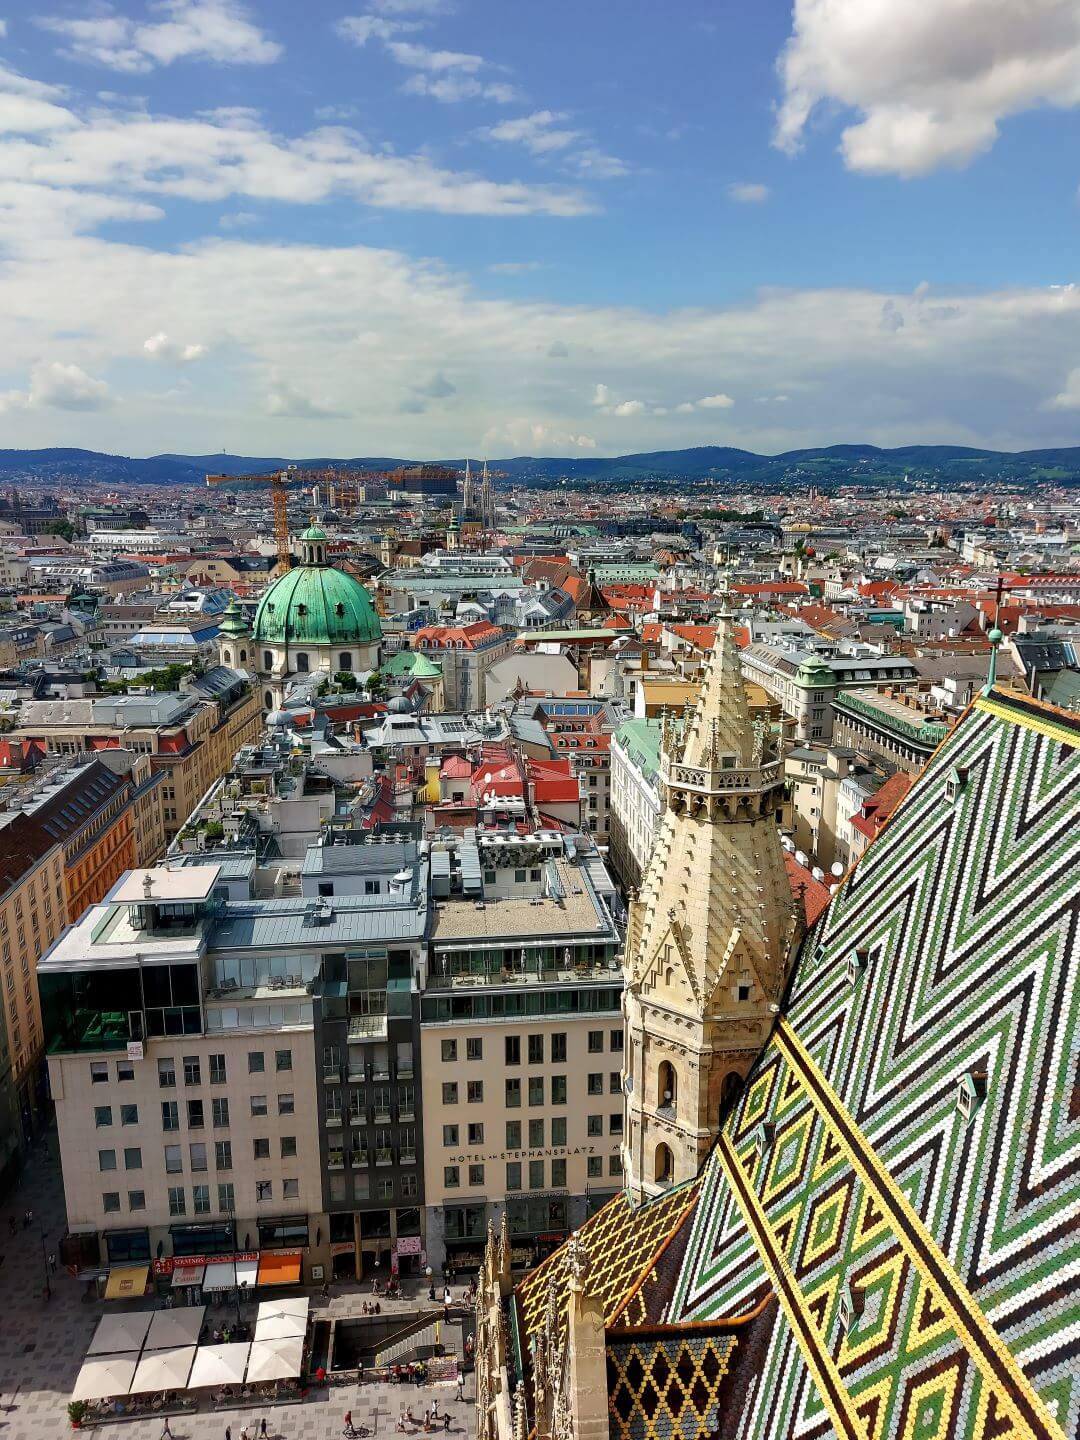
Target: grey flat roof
[[268, 923], [192, 882]]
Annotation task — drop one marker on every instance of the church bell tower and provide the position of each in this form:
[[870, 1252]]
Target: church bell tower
[[710, 934]]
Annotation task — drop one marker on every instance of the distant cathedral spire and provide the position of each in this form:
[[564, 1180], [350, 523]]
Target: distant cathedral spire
[[467, 499], [487, 500], [710, 933]]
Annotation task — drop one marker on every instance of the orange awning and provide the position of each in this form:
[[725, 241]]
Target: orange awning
[[278, 1269]]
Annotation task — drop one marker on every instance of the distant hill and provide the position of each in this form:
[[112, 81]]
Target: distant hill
[[826, 466]]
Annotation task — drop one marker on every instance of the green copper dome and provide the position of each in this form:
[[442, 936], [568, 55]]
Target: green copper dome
[[316, 605], [314, 532]]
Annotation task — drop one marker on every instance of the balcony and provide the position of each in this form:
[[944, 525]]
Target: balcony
[[360, 1159], [405, 1070], [357, 1071], [384, 1156], [334, 1121], [382, 1115], [366, 1027], [336, 1160], [331, 1074], [407, 1111], [407, 1157], [380, 1070]]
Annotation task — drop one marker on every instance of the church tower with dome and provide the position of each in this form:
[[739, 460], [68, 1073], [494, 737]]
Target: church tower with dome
[[313, 620]]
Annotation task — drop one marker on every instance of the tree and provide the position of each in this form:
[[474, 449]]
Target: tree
[[345, 680], [63, 528], [375, 685]]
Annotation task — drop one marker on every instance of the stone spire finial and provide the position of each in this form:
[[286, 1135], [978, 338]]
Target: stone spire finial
[[577, 1261], [521, 1426]]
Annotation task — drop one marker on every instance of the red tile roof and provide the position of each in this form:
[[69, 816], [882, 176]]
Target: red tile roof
[[814, 894]]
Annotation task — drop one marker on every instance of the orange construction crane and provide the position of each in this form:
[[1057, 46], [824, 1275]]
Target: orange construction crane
[[279, 495]]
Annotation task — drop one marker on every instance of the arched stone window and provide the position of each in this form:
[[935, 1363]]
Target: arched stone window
[[268, 700], [243, 656], [664, 1165], [268, 660], [667, 1086], [733, 1083], [302, 664], [345, 662]]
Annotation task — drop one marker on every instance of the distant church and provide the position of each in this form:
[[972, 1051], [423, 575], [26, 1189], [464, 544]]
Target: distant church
[[852, 1157]]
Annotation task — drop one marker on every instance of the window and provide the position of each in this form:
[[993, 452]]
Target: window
[[558, 1048], [226, 1197], [513, 1175], [614, 1082], [615, 1123], [513, 1134], [615, 1040], [475, 1092], [558, 1130], [99, 1070], [595, 1125], [200, 1199], [302, 662], [129, 1114], [264, 1190], [192, 1070], [596, 1042], [102, 1116], [132, 1158], [476, 1174], [595, 1085], [174, 1161], [170, 1115], [106, 1159], [450, 1135], [177, 1204], [195, 1114], [222, 1154], [217, 1069], [449, 1092], [742, 992], [258, 1104], [290, 1189], [536, 1174], [197, 1153], [451, 1177], [474, 1049], [536, 1049], [558, 1174], [558, 1089], [449, 1051], [513, 1094], [220, 1107], [282, 1060], [136, 1200], [614, 1164], [326, 888], [536, 1134], [594, 1166], [256, 1062], [288, 1146], [513, 1050], [166, 1074], [261, 1148], [125, 1070], [536, 1090], [110, 1201], [286, 1105], [476, 1134]]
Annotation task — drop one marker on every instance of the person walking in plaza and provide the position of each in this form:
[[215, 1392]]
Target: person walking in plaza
[[166, 1433], [460, 1387], [262, 1428], [446, 1421], [228, 1432]]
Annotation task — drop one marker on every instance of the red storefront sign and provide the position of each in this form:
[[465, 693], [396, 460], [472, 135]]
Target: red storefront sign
[[167, 1263], [408, 1245]]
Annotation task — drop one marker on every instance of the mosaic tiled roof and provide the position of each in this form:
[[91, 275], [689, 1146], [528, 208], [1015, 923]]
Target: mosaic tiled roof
[[903, 1166], [621, 1242]]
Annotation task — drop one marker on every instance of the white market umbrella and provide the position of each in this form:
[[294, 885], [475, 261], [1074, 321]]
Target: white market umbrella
[[275, 1359], [179, 1326], [279, 1320], [219, 1365], [163, 1370], [103, 1376], [119, 1332]]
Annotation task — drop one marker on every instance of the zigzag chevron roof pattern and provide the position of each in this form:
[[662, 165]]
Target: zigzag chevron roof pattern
[[903, 1166]]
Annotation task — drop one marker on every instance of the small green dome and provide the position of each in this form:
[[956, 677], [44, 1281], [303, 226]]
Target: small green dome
[[316, 605], [995, 637], [313, 532], [233, 622]]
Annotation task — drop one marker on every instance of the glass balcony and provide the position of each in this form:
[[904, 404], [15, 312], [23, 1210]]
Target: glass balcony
[[384, 1157], [360, 1159], [382, 1115], [407, 1157], [336, 1160]]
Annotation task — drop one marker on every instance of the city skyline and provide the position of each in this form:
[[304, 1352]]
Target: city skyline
[[404, 227]]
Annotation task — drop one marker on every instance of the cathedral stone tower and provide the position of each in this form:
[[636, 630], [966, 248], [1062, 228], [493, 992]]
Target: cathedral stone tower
[[710, 934]]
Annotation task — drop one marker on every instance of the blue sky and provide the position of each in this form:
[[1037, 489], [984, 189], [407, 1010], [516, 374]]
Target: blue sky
[[428, 227]]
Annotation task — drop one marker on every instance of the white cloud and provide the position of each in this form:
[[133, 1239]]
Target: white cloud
[[535, 437], [1069, 397], [452, 89], [56, 386], [715, 402], [538, 132], [226, 154], [215, 30], [285, 402], [601, 395], [629, 407], [931, 79], [748, 192], [421, 57], [162, 347], [685, 407]]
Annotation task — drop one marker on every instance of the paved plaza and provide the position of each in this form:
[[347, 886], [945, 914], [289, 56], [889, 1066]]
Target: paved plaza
[[43, 1343]]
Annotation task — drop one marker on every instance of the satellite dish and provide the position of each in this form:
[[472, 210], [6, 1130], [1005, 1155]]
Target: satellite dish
[[836, 869]]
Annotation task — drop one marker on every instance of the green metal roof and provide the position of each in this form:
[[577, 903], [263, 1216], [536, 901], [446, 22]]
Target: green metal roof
[[414, 663], [319, 605]]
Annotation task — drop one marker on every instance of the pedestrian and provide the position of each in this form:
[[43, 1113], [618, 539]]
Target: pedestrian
[[262, 1428], [52, 1263], [26, 1220], [460, 1388], [228, 1432], [446, 1422], [166, 1433], [243, 1432]]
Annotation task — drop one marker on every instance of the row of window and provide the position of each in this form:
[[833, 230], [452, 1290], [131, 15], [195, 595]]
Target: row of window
[[200, 1197], [197, 1155], [474, 1089], [537, 1173], [474, 1047], [219, 1110]]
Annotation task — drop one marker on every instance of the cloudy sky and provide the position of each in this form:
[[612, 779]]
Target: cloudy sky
[[437, 227]]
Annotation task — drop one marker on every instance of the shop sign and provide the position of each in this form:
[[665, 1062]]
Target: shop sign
[[342, 1247], [167, 1263], [134, 1049], [408, 1245]]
